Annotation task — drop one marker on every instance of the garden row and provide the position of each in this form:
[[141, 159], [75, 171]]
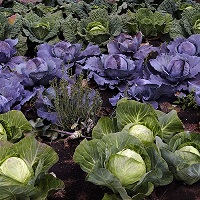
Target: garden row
[[56, 56]]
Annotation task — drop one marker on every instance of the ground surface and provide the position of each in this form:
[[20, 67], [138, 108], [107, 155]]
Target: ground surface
[[76, 188]]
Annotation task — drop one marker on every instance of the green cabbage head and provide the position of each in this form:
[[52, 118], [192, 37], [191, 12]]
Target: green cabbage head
[[189, 153], [143, 133], [96, 28], [127, 165], [16, 169]]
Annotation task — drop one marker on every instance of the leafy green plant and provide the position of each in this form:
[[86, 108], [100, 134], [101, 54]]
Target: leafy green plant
[[151, 24], [140, 120], [10, 24], [182, 155], [76, 105], [188, 24], [24, 170], [41, 29], [98, 27], [120, 162], [122, 154], [187, 101], [12, 126]]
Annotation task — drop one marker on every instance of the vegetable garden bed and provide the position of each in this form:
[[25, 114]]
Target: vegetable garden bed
[[99, 100], [78, 189]]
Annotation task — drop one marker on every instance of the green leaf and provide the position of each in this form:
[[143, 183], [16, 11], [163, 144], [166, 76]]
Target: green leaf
[[104, 126], [130, 111], [14, 27], [69, 28], [17, 123], [177, 30], [170, 125], [111, 197], [87, 156], [32, 151], [103, 177], [21, 45], [160, 174], [191, 174], [46, 184], [115, 25], [16, 191], [41, 29]]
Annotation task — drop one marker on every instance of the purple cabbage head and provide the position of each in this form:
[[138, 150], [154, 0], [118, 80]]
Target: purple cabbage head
[[68, 53], [34, 71], [7, 49], [189, 46], [113, 70], [176, 68], [130, 46], [125, 43]]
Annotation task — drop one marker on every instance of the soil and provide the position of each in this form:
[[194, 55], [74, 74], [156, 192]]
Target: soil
[[76, 188]]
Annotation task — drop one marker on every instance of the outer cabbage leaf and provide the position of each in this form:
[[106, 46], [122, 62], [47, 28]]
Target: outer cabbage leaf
[[7, 49], [170, 125], [130, 111], [69, 28], [17, 124], [91, 159], [12, 91], [104, 126]]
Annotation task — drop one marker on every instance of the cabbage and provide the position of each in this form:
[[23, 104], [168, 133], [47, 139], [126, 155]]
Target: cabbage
[[24, 169], [16, 169], [182, 154], [143, 133], [127, 165], [189, 154]]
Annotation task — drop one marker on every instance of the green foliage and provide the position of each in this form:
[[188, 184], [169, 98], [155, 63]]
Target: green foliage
[[187, 101], [130, 113], [182, 156], [175, 8], [10, 24], [24, 170], [14, 124], [94, 158], [76, 105], [98, 27], [188, 24], [151, 24], [41, 29]]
